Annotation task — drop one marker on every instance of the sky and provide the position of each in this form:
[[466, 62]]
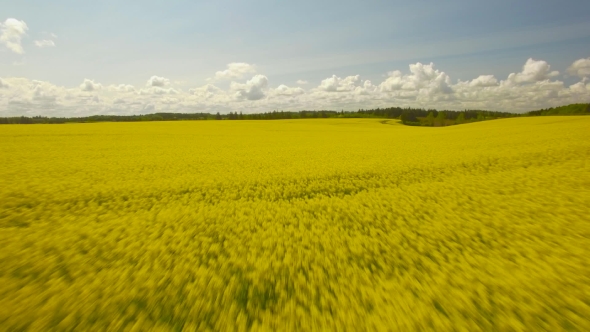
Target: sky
[[74, 58]]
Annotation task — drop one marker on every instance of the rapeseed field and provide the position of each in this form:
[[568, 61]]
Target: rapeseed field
[[302, 225]]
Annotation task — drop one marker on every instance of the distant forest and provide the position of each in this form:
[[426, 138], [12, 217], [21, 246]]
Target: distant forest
[[408, 116]]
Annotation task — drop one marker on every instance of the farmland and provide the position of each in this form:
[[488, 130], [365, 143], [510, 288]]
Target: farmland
[[324, 224]]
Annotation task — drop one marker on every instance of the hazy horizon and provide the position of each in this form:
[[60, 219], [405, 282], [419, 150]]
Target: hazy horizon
[[67, 59]]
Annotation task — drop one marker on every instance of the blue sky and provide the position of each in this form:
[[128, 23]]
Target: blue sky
[[186, 42]]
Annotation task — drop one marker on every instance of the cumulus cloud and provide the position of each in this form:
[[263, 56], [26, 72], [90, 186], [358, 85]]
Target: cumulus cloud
[[484, 81], [44, 43], [158, 81], [580, 68], [44, 91], [302, 82], [11, 34], [283, 90], [169, 101], [423, 80], [121, 88], [337, 84], [580, 88], [156, 90], [423, 85], [206, 91], [533, 71], [90, 85], [366, 89], [235, 70], [394, 82], [252, 90]]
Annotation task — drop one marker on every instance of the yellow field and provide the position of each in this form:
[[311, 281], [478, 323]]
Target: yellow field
[[328, 224]]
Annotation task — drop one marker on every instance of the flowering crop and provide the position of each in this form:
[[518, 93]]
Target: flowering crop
[[327, 224]]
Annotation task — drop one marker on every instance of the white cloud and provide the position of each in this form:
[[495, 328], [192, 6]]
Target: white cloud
[[235, 70], [395, 81], [252, 90], [423, 81], [283, 90], [533, 71], [302, 82], [423, 86], [169, 101], [121, 88], [366, 89], [90, 85], [337, 84], [580, 88], [156, 90], [206, 91], [484, 81], [12, 31], [44, 43], [158, 81], [580, 68]]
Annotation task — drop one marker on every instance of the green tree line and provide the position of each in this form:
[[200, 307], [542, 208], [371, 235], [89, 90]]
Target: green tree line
[[408, 116]]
